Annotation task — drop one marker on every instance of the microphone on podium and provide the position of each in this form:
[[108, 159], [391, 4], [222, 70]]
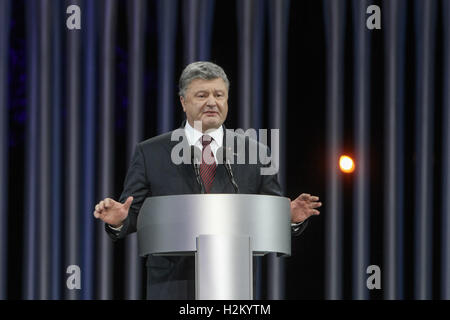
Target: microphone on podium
[[226, 163], [195, 161]]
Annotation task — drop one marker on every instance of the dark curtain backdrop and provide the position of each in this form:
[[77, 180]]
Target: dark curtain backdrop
[[74, 103]]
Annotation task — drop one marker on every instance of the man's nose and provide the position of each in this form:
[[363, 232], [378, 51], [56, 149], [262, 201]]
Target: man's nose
[[211, 101]]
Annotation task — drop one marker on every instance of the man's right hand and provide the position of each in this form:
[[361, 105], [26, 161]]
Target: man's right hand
[[112, 212]]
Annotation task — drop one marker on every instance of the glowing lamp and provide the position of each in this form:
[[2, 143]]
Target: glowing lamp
[[346, 164]]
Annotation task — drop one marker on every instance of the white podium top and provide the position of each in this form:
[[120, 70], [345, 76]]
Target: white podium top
[[171, 224]]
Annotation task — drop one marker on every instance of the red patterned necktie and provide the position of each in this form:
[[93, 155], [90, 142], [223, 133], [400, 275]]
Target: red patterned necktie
[[208, 165]]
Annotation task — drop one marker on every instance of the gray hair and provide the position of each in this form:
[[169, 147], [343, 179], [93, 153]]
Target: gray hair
[[201, 70]]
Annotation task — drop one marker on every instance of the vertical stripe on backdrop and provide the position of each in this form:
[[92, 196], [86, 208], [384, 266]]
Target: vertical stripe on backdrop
[[334, 16], [278, 26], [425, 18], [5, 6], [205, 27], [250, 14], [190, 19], [445, 238], [258, 63], [245, 13], [30, 214], [72, 207], [361, 191], [89, 32], [167, 27], [394, 55], [56, 193], [257, 104], [197, 25], [45, 152], [136, 47], [106, 143]]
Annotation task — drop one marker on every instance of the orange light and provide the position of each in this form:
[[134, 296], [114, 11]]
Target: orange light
[[346, 164]]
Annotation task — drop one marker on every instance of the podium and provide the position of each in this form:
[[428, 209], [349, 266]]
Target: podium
[[223, 231]]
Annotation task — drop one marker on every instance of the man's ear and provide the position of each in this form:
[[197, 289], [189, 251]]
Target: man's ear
[[182, 103]]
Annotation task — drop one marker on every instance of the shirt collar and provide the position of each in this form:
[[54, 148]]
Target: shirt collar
[[194, 135]]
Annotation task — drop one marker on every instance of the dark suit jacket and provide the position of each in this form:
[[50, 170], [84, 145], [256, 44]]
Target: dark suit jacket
[[152, 173]]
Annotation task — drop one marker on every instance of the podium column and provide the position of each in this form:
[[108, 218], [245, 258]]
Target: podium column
[[223, 266]]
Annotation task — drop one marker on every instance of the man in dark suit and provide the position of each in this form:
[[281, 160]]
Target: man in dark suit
[[154, 172]]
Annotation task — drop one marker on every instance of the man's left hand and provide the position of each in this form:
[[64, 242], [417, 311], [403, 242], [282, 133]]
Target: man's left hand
[[303, 207]]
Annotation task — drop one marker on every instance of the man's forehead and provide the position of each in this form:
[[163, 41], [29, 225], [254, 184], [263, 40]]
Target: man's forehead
[[202, 84]]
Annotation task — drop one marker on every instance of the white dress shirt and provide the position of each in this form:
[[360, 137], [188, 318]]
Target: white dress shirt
[[194, 138]]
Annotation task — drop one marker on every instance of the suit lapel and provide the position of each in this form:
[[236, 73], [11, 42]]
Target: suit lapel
[[185, 170], [222, 183]]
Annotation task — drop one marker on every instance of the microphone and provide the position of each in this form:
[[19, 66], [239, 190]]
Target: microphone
[[196, 166], [226, 163]]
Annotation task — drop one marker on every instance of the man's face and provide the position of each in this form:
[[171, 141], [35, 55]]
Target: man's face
[[206, 101]]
